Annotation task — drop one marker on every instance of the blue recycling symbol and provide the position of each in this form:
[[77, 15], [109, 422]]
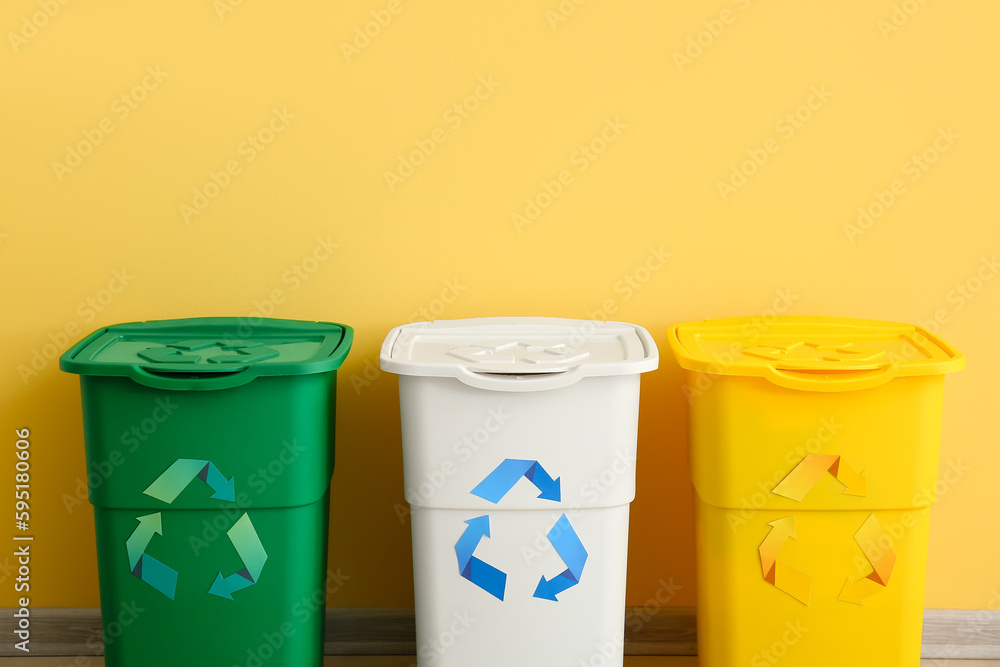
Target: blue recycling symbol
[[562, 536]]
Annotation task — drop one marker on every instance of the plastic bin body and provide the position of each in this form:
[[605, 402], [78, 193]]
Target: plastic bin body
[[580, 429], [848, 546], [269, 432]]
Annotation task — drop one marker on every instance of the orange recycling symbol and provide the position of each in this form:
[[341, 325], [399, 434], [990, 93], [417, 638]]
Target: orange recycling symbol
[[870, 537], [789, 579], [808, 473], [875, 545], [778, 573]]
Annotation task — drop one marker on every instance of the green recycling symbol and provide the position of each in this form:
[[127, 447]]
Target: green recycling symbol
[[242, 534]]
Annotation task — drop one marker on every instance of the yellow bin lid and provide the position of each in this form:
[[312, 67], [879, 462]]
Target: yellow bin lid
[[812, 353]]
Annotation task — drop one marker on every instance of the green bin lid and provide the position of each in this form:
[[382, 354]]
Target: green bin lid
[[163, 352]]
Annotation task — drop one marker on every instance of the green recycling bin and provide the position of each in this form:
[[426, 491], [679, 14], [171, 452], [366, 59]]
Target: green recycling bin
[[210, 448]]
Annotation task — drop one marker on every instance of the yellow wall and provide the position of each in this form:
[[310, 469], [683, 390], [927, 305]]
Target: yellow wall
[[109, 229]]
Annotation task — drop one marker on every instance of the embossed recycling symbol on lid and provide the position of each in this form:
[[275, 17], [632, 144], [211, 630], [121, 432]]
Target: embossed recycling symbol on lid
[[803, 354], [515, 353], [229, 352]]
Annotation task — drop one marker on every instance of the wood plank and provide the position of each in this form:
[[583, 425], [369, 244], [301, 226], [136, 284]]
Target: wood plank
[[660, 631], [961, 633], [360, 631], [370, 631]]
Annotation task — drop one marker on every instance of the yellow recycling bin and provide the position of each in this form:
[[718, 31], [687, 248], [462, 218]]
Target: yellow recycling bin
[[814, 454]]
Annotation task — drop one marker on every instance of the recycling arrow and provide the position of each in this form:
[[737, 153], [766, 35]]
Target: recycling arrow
[[877, 549], [569, 547], [245, 354], [182, 472], [224, 587], [778, 573], [511, 353], [247, 543], [144, 566], [157, 575], [506, 475], [808, 472], [149, 525], [168, 355], [482, 574]]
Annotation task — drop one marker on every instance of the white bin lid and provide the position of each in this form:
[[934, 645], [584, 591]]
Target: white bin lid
[[518, 353]]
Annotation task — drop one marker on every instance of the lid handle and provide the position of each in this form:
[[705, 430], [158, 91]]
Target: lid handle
[[519, 382], [831, 380], [181, 381]]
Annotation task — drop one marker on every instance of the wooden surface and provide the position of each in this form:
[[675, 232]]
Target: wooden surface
[[364, 631]]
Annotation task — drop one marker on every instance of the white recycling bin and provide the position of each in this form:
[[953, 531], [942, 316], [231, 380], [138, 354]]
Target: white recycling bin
[[519, 451]]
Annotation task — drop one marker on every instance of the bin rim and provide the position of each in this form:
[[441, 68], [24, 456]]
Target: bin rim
[[334, 341], [931, 355], [641, 354]]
